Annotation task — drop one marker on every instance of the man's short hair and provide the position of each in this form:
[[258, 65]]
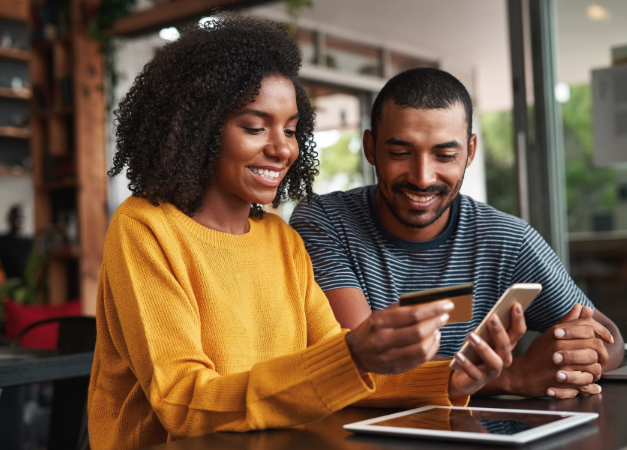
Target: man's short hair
[[422, 88]]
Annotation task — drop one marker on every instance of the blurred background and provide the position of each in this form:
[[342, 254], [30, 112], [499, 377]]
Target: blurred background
[[548, 79]]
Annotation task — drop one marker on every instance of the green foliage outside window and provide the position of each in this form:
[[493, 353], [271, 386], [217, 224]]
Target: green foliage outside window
[[589, 189], [498, 140], [338, 160]]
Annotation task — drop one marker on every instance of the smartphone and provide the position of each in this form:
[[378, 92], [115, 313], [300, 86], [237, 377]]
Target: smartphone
[[523, 293], [460, 295]]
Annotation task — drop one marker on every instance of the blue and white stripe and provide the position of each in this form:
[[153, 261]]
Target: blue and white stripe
[[349, 247]]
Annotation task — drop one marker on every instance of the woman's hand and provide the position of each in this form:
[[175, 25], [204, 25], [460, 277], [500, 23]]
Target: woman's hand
[[397, 339], [472, 377]]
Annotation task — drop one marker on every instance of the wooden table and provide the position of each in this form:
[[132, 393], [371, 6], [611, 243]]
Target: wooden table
[[608, 432], [20, 366]]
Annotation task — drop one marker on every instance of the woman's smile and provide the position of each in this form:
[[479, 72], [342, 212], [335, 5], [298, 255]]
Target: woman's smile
[[268, 176]]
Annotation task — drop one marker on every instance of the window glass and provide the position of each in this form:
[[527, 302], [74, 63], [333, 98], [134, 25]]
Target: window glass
[[400, 63], [592, 92], [307, 41], [350, 57]]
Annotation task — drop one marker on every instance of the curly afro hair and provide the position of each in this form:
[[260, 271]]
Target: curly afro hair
[[169, 125]]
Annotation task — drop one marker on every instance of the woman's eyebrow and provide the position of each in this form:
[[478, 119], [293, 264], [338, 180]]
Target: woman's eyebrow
[[265, 115], [256, 112]]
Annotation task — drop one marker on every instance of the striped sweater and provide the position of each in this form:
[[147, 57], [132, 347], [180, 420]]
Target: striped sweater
[[350, 248]]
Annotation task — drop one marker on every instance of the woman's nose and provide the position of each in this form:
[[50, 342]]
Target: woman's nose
[[279, 146]]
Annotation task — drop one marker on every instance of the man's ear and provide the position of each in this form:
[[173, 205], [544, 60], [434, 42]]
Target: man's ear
[[369, 147], [472, 148]]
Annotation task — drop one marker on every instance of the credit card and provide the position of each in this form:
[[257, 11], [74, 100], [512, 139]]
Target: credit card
[[460, 295]]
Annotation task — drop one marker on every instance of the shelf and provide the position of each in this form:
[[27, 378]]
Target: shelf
[[14, 53], [15, 132], [56, 185], [44, 44], [24, 94], [14, 10], [15, 172], [68, 111]]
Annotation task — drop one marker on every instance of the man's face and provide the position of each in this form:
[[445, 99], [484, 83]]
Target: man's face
[[420, 156]]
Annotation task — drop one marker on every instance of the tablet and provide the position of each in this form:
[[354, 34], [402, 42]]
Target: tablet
[[489, 425]]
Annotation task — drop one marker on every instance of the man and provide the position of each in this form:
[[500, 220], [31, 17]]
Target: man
[[413, 231]]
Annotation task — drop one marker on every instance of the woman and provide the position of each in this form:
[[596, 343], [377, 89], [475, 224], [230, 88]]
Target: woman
[[209, 318]]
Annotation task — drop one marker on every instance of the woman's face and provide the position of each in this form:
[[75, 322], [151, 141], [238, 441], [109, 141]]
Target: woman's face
[[259, 144]]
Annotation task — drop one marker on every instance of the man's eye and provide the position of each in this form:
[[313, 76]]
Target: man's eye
[[253, 130], [400, 154], [447, 157]]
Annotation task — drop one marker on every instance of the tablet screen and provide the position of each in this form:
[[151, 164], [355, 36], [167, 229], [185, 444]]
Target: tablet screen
[[471, 421]]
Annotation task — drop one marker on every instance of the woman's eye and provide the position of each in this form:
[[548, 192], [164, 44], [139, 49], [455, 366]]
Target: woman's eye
[[290, 133], [253, 130]]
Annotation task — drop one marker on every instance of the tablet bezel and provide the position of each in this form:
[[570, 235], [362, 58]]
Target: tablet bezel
[[521, 438]]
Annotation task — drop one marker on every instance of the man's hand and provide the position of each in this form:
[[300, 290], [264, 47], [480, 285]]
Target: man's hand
[[397, 339], [565, 360], [472, 378]]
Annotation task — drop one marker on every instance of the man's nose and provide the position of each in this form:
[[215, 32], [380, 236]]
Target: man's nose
[[423, 173]]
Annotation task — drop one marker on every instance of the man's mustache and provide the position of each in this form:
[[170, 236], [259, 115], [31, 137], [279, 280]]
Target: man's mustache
[[433, 189]]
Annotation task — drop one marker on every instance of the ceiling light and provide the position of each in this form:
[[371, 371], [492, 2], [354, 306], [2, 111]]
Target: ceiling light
[[169, 34], [598, 13]]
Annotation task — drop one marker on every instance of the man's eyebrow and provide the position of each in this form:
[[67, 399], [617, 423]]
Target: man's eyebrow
[[395, 141], [449, 144]]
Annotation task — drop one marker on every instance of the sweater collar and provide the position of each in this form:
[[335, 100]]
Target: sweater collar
[[241, 242]]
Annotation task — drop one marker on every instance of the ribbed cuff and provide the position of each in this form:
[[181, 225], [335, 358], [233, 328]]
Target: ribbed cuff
[[434, 377], [330, 368], [427, 384]]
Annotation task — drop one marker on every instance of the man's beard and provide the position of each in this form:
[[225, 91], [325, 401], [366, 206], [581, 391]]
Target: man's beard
[[397, 210]]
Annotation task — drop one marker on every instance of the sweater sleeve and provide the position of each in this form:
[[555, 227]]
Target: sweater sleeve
[[157, 332], [424, 385]]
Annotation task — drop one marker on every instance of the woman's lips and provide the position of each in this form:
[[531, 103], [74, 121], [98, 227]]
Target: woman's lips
[[266, 177]]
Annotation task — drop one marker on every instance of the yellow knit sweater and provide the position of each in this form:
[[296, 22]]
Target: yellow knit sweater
[[201, 331]]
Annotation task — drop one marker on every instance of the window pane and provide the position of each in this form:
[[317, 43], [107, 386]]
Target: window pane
[[350, 57], [590, 38], [401, 63]]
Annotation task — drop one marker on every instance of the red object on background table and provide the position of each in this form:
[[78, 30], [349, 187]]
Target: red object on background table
[[17, 317]]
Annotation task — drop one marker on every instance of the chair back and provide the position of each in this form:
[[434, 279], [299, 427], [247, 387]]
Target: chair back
[[77, 334]]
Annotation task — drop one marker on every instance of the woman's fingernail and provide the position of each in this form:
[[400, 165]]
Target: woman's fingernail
[[560, 333], [474, 338], [438, 335], [460, 357], [558, 358], [561, 376], [518, 309], [448, 306], [612, 338], [444, 318], [495, 321], [551, 393], [600, 388]]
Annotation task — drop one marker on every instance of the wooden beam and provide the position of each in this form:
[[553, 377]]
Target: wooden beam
[[89, 103], [14, 10], [168, 14]]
